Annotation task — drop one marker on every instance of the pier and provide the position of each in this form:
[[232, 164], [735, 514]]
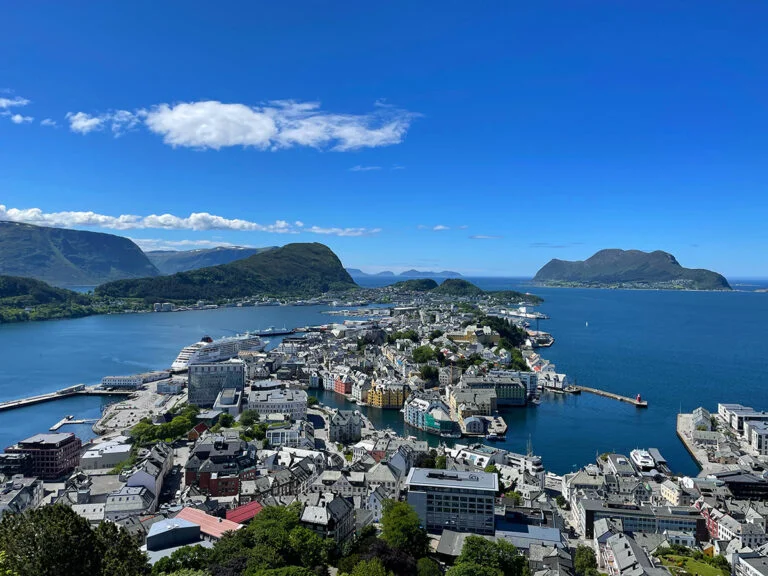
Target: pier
[[80, 390], [628, 400], [70, 420]]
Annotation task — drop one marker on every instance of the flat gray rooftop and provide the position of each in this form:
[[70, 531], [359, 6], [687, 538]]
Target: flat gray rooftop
[[452, 479]]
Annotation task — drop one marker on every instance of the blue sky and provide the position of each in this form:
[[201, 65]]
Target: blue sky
[[485, 138]]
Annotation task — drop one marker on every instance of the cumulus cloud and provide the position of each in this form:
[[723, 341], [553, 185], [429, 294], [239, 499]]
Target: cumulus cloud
[[6, 103], [440, 228], [359, 168], [277, 124], [48, 122], [198, 221], [118, 121], [19, 119], [485, 237]]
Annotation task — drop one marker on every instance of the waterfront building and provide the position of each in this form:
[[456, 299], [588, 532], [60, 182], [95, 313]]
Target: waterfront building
[[756, 433], [345, 426], [170, 387], [122, 382], [735, 415], [360, 389], [529, 379], [426, 411], [388, 395], [53, 455], [702, 419], [455, 500], [207, 380], [286, 401], [466, 402]]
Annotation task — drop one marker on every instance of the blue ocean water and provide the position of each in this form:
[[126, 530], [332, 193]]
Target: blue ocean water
[[678, 350]]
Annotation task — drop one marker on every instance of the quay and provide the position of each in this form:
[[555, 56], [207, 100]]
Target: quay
[[635, 401], [80, 390], [70, 420]]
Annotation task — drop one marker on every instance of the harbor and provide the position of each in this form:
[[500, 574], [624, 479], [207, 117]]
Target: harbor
[[78, 390], [637, 401], [70, 419]]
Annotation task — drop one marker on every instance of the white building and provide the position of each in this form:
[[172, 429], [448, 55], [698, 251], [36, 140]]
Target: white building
[[123, 382], [290, 402], [106, 454], [756, 433]]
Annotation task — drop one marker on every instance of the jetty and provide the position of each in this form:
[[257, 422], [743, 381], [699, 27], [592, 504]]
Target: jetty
[[71, 420], [79, 390], [640, 403]]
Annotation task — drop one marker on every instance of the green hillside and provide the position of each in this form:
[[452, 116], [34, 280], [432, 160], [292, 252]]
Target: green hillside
[[69, 257], [293, 270], [28, 299], [172, 261], [416, 285], [457, 287], [632, 269]]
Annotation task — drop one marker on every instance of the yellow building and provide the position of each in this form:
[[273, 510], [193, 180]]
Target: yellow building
[[388, 395]]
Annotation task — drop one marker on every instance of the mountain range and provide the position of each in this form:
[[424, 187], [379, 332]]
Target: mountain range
[[629, 269], [357, 273], [69, 257]]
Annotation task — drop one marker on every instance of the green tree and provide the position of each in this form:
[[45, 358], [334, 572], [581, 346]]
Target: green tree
[[435, 334], [401, 529], [372, 567], [429, 373], [561, 501], [440, 462], [308, 548], [584, 561], [55, 541], [472, 569], [285, 571], [119, 550], [226, 420], [188, 572], [312, 401], [516, 497], [427, 567], [4, 569], [500, 555], [186, 558], [423, 354]]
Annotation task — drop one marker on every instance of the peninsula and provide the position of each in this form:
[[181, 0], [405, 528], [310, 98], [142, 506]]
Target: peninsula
[[629, 269]]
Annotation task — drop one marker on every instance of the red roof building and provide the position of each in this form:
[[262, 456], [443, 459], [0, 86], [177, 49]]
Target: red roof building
[[211, 526], [244, 513]]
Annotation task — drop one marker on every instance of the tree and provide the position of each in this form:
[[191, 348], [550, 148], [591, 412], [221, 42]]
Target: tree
[[372, 567], [428, 373], [423, 354], [4, 569], [561, 501], [119, 550], [472, 569], [309, 549], [312, 401], [516, 497], [285, 571], [186, 558], [584, 562], [250, 417], [52, 540], [226, 420], [401, 529], [440, 462], [427, 567], [499, 555]]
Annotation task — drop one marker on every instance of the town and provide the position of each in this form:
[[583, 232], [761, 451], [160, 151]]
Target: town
[[231, 437]]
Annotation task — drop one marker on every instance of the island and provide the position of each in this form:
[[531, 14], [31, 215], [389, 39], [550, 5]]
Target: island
[[632, 269]]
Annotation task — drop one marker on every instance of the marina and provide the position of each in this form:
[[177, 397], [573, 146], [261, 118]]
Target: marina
[[71, 420]]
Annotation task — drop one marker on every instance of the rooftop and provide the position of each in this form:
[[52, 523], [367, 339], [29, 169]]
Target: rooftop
[[209, 525], [452, 479]]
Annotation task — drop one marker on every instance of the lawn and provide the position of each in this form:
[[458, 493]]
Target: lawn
[[690, 566]]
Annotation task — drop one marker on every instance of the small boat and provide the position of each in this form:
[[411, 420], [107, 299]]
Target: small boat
[[494, 437], [536, 401], [642, 459], [454, 435]]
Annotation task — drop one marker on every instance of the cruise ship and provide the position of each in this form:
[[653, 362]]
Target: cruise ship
[[210, 350], [642, 459]]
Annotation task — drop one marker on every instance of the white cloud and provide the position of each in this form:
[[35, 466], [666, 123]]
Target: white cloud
[[277, 124], [19, 119], [485, 237], [48, 122], [344, 231], [198, 221], [147, 244], [359, 168], [119, 121], [440, 228], [6, 103]]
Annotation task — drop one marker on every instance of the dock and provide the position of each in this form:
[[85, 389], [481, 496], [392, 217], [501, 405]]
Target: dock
[[70, 420], [80, 390], [620, 398]]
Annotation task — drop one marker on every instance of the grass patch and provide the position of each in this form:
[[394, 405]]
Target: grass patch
[[682, 565]]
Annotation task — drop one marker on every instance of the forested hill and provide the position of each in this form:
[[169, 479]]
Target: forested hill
[[28, 299], [630, 269], [293, 270], [69, 257], [172, 261]]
